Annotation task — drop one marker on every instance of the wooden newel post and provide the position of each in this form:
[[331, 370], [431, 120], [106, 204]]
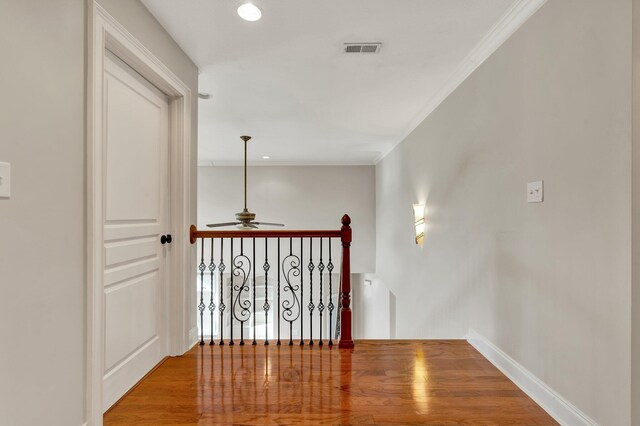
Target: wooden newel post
[[346, 341]]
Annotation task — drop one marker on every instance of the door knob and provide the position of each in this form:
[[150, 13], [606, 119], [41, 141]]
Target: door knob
[[169, 239], [166, 239]]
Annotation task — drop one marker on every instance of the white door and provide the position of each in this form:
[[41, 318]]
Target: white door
[[136, 188]]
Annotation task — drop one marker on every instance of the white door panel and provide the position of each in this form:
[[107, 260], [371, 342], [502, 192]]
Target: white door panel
[[130, 313], [137, 119], [136, 124], [127, 250]]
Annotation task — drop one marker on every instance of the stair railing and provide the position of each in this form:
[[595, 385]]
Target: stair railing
[[301, 284]]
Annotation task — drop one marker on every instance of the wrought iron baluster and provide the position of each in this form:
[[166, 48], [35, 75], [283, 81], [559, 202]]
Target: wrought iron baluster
[[201, 305], [212, 306], [266, 306], [291, 323], [291, 308], [301, 294], [254, 292], [241, 268], [278, 343], [221, 268], [321, 303], [311, 306], [231, 343], [330, 306]]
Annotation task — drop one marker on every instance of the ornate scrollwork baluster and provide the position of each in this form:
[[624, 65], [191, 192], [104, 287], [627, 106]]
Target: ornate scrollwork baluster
[[212, 306], [241, 309], [291, 307]]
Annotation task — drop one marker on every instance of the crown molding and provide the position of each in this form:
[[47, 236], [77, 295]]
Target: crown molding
[[500, 32]]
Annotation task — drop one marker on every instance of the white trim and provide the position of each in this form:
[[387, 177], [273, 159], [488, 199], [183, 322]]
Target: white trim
[[193, 336], [104, 32], [559, 408], [508, 24]]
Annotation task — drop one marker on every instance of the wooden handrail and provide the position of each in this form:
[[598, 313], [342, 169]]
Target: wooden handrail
[[345, 235], [275, 233]]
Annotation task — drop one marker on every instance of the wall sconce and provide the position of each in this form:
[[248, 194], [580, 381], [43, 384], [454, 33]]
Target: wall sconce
[[419, 223]]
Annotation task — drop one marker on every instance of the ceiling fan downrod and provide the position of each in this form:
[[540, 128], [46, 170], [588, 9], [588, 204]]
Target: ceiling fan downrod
[[245, 219], [245, 139]]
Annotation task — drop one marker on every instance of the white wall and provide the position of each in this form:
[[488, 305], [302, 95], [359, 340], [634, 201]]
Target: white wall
[[373, 308], [42, 240], [547, 283], [300, 197]]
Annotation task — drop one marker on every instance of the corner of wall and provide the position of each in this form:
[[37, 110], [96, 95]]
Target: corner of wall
[[635, 219]]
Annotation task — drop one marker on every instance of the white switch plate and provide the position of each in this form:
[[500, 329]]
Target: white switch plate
[[5, 180], [535, 192]]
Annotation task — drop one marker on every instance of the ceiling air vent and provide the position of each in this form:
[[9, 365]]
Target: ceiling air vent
[[362, 47]]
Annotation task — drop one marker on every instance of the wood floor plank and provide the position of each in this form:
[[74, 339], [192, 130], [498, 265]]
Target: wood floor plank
[[432, 382]]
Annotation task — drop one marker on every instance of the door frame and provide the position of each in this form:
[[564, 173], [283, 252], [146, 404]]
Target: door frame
[[105, 33]]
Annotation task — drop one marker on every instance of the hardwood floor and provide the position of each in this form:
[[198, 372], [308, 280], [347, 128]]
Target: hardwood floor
[[433, 382]]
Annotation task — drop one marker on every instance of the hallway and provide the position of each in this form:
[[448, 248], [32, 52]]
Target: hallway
[[381, 382]]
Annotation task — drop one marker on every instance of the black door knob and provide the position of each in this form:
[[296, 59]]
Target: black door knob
[[163, 239], [169, 239]]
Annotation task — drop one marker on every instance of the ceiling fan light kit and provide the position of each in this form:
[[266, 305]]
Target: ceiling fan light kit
[[245, 218]]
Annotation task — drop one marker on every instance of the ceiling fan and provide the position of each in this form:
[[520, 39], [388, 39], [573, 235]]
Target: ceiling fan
[[244, 219]]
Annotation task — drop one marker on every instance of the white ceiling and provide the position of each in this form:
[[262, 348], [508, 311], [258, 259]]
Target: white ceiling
[[285, 80]]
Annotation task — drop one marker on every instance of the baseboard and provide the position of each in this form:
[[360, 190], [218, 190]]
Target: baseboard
[[193, 337], [559, 408]]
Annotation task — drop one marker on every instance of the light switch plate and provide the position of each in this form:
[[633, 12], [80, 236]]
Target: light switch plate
[[535, 192], [5, 180]]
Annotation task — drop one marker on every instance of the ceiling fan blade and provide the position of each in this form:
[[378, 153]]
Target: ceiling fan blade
[[218, 225], [268, 223]]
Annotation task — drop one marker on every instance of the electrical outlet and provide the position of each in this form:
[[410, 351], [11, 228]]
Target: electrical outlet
[[535, 192], [5, 180]]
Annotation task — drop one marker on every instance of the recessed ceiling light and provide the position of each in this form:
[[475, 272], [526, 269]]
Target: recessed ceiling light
[[203, 95], [249, 12], [265, 157]]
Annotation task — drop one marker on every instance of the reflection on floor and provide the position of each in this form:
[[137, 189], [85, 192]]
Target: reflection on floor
[[434, 382]]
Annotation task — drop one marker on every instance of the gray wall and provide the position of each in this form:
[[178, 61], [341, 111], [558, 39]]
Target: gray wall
[[42, 252], [547, 283], [42, 285], [635, 320], [308, 197]]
